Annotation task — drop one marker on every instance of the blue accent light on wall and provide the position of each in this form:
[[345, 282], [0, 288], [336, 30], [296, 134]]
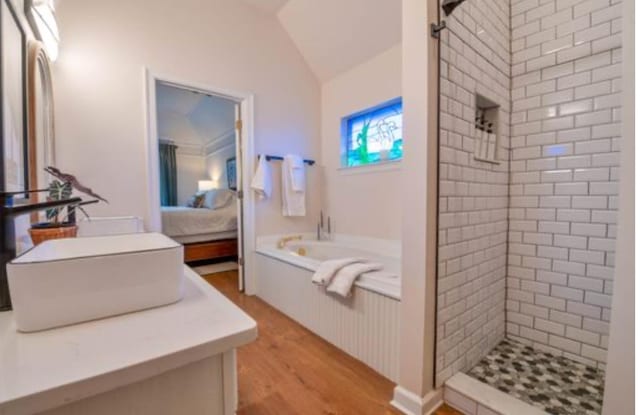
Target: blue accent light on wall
[[557, 151]]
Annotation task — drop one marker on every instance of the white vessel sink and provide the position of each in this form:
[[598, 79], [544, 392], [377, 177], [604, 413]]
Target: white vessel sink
[[67, 281]]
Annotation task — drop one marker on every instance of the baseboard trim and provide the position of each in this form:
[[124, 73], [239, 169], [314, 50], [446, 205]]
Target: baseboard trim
[[409, 403]]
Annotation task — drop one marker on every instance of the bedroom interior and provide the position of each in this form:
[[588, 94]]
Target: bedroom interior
[[197, 163], [254, 207]]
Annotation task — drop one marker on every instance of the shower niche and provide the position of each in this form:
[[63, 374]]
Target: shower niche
[[487, 130]]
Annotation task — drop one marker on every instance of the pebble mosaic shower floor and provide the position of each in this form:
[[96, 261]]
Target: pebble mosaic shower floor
[[554, 384]]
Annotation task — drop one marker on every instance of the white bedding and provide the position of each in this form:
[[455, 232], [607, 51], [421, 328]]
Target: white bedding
[[184, 221]]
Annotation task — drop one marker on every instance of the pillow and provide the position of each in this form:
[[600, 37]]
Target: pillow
[[196, 201], [218, 198]]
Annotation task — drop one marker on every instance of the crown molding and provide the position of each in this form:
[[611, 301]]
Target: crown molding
[[221, 141]]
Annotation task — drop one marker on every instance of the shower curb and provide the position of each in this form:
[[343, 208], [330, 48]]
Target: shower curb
[[472, 397]]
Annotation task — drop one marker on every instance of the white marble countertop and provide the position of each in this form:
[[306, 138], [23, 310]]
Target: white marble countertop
[[46, 369]]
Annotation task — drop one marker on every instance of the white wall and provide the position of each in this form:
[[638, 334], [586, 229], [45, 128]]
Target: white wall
[[419, 207], [620, 383], [566, 94], [100, 90], [362, 201], [190, 169], [474, 195], [216, 165]]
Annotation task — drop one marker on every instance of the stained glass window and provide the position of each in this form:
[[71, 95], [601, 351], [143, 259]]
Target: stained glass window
[[374, 135]]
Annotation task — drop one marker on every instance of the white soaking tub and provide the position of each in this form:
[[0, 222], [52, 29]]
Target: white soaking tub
[[365, 325]]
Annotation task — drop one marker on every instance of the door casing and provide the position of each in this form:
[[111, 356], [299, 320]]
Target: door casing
[[246, 102]]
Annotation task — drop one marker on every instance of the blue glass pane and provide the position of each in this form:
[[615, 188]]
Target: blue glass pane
[[374, 136]]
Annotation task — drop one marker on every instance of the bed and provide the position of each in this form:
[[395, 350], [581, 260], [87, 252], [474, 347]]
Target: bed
[[205, 233]]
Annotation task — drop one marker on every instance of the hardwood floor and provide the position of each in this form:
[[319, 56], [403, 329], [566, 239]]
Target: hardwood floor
[[446, 410], [289, 370]]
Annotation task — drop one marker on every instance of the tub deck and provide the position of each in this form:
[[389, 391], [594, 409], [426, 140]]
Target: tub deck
[[308, 254]]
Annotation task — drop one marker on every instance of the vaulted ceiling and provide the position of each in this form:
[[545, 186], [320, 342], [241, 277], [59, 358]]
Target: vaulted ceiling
[[193, 120], [335, 35]]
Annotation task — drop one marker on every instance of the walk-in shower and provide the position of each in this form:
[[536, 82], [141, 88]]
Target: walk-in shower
[[529, 146]]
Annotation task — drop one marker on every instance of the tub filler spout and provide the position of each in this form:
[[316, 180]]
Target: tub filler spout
[[283, 241]]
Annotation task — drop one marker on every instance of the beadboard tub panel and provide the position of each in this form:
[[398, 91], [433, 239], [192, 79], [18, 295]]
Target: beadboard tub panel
[[365, 326]]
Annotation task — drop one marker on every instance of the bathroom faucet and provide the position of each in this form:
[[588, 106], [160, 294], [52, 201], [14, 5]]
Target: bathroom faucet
[[283, 241], [7, 227], [321, 234]]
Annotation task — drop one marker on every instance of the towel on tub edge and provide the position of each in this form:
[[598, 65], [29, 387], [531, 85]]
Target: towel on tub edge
[[343, 280], [328, 269]]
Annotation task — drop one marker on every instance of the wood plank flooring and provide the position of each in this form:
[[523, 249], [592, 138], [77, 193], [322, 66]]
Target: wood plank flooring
[[290, 370]]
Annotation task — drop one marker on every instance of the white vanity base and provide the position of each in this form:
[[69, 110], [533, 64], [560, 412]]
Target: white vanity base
[[197, 388], [176, 359]]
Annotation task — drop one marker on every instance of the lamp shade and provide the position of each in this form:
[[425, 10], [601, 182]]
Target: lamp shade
[[204, 185]]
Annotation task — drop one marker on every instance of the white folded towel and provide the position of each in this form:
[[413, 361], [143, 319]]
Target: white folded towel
[[296, 170], [293, 201], [326, 271], [343, 280], [261, 182]]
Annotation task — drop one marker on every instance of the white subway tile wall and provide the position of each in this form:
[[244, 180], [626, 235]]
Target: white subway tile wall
[[474, 195], [563, 182]]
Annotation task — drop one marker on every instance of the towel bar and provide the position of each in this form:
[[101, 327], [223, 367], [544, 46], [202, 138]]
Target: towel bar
[[270, 158]]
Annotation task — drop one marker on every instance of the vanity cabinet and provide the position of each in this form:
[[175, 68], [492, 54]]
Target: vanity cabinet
[[171, 360]]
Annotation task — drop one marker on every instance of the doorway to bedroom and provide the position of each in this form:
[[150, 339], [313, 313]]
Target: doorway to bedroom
[[199, 163]]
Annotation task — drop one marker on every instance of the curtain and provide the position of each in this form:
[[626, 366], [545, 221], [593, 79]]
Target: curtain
[[168, 175]]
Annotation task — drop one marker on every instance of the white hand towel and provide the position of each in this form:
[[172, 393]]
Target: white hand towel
[[325, 272], [296, 170], [261, 182], [343, 280], [293, 202]]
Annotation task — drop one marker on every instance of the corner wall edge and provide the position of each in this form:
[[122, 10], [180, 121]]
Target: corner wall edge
[[409, 403]]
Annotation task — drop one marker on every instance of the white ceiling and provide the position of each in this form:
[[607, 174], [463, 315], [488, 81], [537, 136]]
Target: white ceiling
[[336, 35], [194, 119]]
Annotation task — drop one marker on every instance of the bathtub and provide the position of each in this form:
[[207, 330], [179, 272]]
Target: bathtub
[[364, 325]]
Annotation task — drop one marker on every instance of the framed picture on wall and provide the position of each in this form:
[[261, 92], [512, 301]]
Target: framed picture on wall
[[232, 178], [13, 114]]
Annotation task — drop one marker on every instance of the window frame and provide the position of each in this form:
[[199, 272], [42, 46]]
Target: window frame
[[347, 138]]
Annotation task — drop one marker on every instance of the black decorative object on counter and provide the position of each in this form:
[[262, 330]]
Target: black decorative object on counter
[[57, 226]]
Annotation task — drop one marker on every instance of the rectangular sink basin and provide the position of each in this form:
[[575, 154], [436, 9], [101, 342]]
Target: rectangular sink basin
[[67, 281]]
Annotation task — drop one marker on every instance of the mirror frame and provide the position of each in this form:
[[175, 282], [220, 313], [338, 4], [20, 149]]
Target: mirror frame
[[38, 67], [8, 7]]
